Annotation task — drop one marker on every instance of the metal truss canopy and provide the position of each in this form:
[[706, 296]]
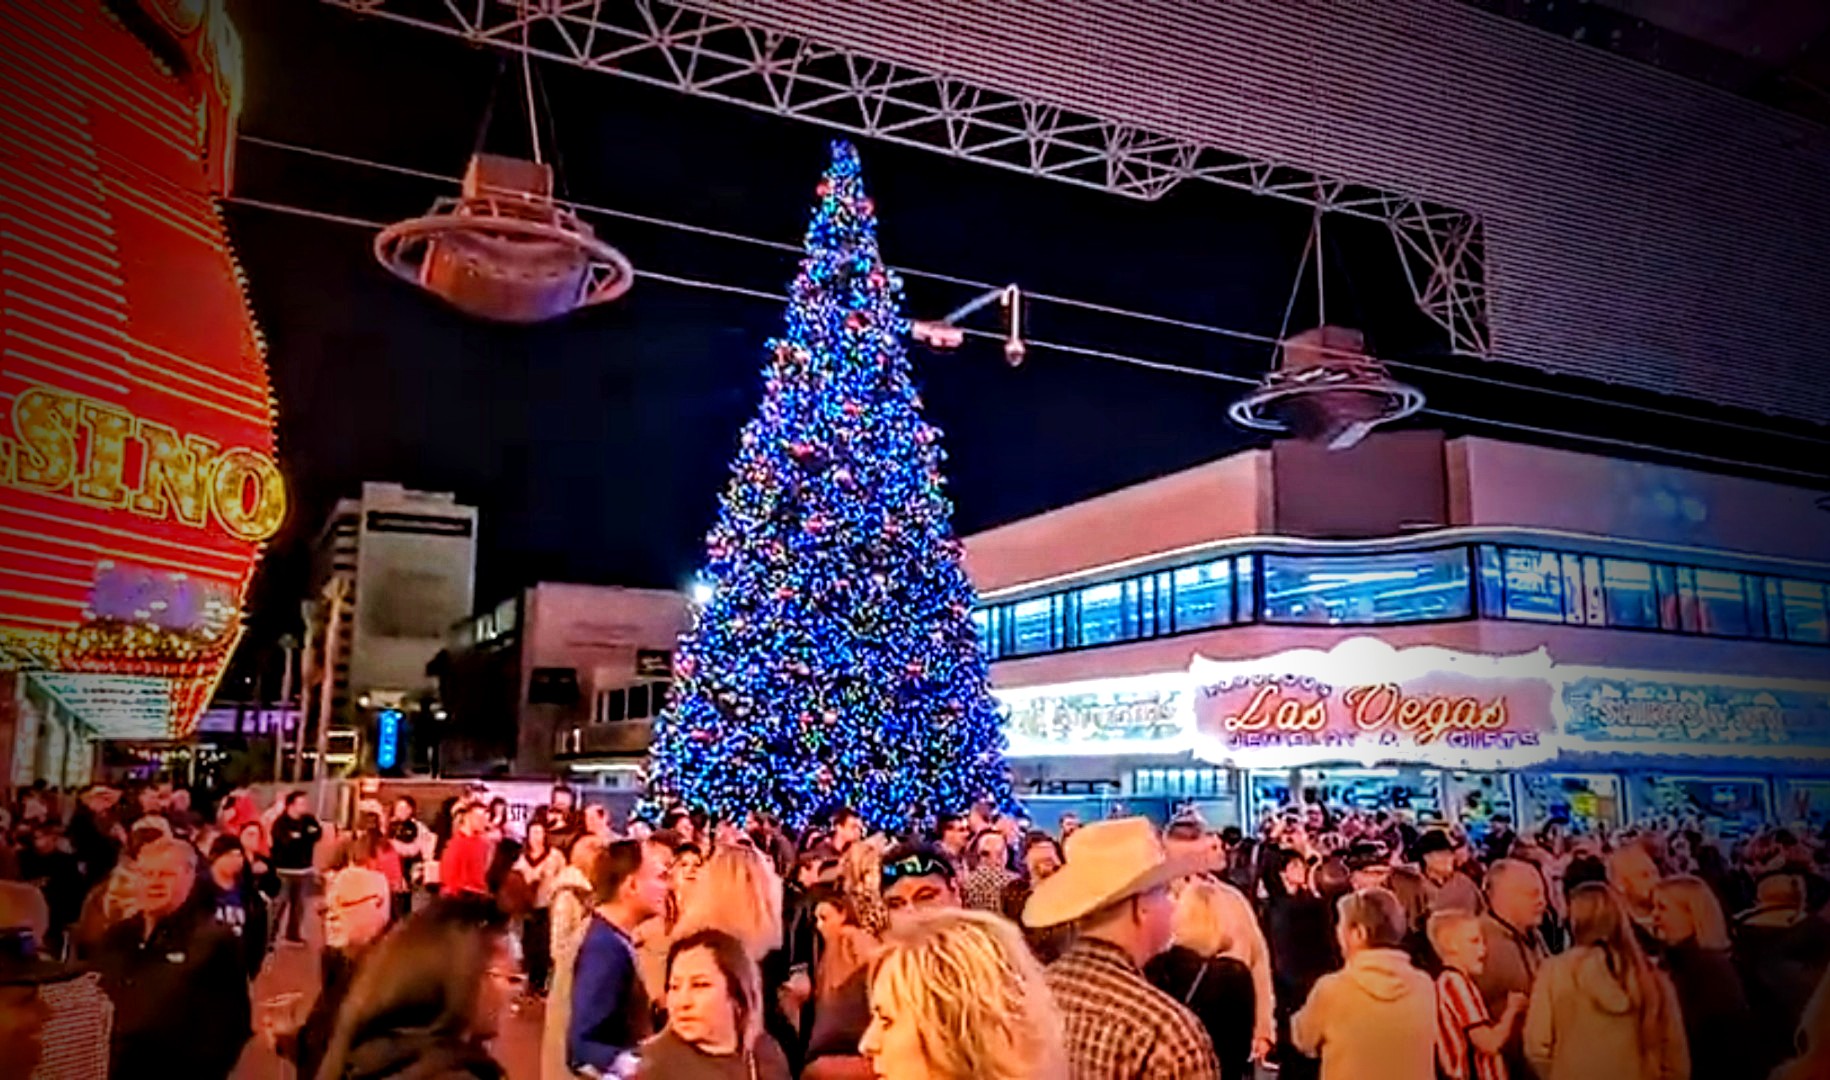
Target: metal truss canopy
[[737, 61]]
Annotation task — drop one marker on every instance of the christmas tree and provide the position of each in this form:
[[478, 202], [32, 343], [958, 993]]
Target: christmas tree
[[835, 661]]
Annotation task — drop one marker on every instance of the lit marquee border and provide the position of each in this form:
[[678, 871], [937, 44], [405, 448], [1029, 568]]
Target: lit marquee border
[[137, 478]]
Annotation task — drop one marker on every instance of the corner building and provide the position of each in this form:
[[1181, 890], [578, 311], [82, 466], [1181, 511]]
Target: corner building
[[1457, 627]]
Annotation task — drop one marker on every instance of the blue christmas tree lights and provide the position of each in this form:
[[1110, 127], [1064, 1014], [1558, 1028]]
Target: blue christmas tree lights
[[835, 660]]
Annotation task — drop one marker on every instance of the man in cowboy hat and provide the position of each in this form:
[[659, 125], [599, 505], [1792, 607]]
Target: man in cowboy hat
[[35, 996], [1115, 888], [1445, 887]]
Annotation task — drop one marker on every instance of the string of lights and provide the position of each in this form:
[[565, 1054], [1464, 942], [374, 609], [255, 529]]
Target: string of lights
[[1814, 478], [1095, 307]]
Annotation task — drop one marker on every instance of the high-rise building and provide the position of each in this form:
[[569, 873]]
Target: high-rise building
[[405, 562]]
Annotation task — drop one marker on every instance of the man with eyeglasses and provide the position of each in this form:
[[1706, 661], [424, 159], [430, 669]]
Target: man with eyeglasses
[[175, 976], [915, 877], [356, 910]]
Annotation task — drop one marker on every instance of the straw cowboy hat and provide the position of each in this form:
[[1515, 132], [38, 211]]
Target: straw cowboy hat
[[1106, 862]]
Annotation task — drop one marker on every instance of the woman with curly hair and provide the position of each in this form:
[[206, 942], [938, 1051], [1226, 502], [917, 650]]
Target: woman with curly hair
[[955, 995]]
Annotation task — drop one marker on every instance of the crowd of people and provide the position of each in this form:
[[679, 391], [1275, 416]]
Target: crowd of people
[[1321, 944]]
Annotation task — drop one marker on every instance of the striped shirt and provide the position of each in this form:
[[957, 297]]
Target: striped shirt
[[1459, 1009], [1118, 1026]]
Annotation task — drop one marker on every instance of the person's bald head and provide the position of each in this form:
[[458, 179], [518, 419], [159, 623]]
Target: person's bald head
[[23, 907], [1515, 892], [1633, 871], [356, 908], [1783, 891]]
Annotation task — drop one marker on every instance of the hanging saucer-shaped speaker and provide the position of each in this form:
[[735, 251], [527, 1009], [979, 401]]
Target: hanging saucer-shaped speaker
[[504, 250], [1326, 389]]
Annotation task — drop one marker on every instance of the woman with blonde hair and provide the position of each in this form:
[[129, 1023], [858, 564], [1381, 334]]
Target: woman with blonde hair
[[1688, 920], [737, 892], [1601, 1011], [861, 876], [1197, 972], [955, 995]]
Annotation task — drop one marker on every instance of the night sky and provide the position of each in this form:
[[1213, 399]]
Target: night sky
[[596, 446]]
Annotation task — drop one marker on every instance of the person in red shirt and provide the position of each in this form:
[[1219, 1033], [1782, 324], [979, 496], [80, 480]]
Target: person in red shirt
[[464, 869]]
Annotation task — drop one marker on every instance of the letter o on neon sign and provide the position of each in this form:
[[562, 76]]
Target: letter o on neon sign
[[248, 494]]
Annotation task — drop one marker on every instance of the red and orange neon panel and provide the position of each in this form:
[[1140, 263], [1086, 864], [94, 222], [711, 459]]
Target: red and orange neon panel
[[137, 474]]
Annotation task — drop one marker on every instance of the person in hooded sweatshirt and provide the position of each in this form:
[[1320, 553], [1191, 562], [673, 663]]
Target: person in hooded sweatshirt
[[1601, 1011], [1376, 1018]]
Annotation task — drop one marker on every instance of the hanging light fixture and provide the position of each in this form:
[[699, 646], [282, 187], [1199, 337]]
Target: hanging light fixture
[[504, 250], [944, 334], [1326, 387]]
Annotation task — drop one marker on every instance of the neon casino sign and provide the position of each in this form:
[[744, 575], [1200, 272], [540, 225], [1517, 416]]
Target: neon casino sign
[[137, 478], [1366, 701]]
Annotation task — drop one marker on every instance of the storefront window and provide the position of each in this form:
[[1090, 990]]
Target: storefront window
[[1409, 587], [1033, 626], [1245, 598], [1804, 802], [1735, 806], [988, 638], [1630, 596], [1804, 612], [1204, 595], [1534, 585], [1473, 799], [1580, 800]]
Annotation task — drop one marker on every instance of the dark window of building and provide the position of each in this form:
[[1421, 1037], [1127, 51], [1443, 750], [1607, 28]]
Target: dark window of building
[[1629, 594], [1721, 604], [1534, 585], [1414, 586], [1203, 595], [1805, 614], [612, 706], [1245, 597], [638, 702], [1492, 582], [1033, 626], [553, 686], [1105, 615]]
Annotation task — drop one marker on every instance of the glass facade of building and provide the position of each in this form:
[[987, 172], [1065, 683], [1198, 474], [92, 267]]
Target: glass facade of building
[[1439, 584]]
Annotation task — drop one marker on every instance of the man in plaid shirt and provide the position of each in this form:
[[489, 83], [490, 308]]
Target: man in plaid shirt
[[1115, 887]]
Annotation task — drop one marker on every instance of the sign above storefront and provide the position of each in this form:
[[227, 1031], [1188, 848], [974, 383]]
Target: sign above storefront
[[1647, 712], [1113, 716], [1364, 701]]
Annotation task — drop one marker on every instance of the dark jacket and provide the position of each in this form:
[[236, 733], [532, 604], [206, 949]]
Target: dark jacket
[[610, 1014], [1219, 991], [180, 996], [305, 1048], [1300, 933], [668, 1057], [1716, 1017], [294, 839], [1781, 958], [420, 1055]]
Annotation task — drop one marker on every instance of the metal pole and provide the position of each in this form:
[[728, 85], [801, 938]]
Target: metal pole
[[336, 592], [308, 674], [288, 646]]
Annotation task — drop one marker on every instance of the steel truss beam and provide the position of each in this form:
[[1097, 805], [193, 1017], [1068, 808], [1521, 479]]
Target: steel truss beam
[[710, 55]]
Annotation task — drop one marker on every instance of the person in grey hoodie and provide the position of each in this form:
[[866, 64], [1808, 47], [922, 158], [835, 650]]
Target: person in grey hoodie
[[1375, 1019], [1601, 1011]]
